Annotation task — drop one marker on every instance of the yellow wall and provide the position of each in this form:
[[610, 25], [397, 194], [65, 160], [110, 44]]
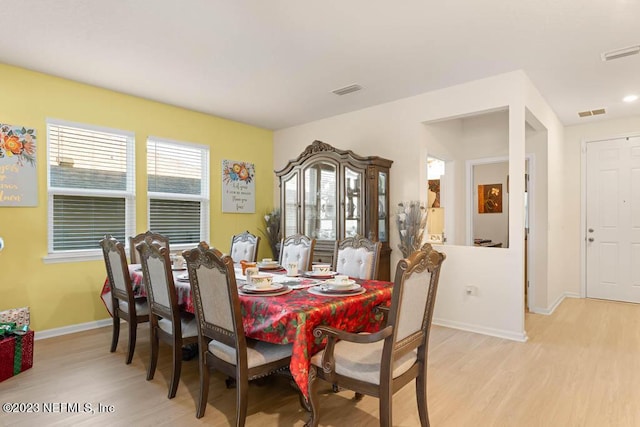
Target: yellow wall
[[68, 293]]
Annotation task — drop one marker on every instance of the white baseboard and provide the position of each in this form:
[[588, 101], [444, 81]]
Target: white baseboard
[[71, 329], [510, 335], [558, 301]]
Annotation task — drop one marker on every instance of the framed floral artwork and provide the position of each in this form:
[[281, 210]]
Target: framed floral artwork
[[238, 187], [490, 198], [18, 174]]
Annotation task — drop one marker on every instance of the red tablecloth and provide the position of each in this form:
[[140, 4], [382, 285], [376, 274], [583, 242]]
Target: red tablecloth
[[291, 318]]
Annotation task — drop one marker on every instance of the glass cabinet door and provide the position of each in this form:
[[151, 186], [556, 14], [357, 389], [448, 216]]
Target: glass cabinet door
[[320, 201], [352, 202], [382, 206], [290, 208]]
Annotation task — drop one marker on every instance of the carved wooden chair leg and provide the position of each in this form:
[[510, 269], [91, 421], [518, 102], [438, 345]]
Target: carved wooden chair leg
[[153, 360], [116, 333], [133, 328], [313, 398]]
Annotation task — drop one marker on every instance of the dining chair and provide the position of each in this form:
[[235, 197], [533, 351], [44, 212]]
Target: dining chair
[[357, 257], [222, 343], [244, 247], [167, 322], [124, 305], [134, 241], [299, 248], [381, 363]]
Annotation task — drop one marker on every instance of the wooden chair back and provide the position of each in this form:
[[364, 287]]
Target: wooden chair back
[[158, 279], [115, 260], [412, 303], [357, 257], [215, 297], [134, 241], [299, 248], [244, 247]]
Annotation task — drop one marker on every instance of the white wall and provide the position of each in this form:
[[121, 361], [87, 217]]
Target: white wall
[[396, 130], [538, 272], [557, 257]]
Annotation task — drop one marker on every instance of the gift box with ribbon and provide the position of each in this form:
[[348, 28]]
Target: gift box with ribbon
[[16, 345], [19, 316]]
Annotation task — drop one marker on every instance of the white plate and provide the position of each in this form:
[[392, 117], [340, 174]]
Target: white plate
[[324, 291], [328, 288], [269, 265], [283, 291], [320, 274], [340, 285], [253, 288]]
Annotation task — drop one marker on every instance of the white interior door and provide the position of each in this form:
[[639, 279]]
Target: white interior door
[[613, 219]]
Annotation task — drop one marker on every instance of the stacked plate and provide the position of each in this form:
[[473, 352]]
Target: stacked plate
[[274, 289], [269, 265], [254, 289], [328, 290], [320, 274]]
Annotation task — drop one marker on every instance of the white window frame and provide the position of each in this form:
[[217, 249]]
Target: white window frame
[[203, 197], [129, 195]]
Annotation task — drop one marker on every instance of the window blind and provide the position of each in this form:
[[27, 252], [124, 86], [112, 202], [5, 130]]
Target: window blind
[[178, 189], [90, 185]]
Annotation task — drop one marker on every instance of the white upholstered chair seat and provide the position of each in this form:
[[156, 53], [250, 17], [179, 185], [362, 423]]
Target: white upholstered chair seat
[[362, 361], [243, 251], [355, 262], [297, 253], [258, 352], [189, 326], [142, 307]]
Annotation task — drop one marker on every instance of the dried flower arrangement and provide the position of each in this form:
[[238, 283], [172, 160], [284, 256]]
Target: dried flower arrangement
[[411, 220], [271, 231]]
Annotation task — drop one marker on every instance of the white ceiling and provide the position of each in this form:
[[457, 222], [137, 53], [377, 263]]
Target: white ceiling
[[273, 63]]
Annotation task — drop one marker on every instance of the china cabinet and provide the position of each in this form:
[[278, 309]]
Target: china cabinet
[[329, 194]]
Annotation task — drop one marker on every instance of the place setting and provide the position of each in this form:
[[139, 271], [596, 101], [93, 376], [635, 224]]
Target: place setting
[[267, 264], [263, 285], [339, 285], [320, 271], [183, 278]]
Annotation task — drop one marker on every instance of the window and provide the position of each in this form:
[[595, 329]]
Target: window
[[91, 186], [178, 187]]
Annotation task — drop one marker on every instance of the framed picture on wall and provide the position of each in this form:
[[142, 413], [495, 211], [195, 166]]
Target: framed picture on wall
[[238, 187], [18, 174], [490, 198]]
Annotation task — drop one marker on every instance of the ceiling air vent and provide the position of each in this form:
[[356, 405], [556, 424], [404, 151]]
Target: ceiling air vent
[[620, 53], [347, 89], [592, 112]]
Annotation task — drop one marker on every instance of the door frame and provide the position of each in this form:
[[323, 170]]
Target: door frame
[[583, 205]]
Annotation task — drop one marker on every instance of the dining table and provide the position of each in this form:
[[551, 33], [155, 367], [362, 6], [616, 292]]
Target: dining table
[[290, 317]]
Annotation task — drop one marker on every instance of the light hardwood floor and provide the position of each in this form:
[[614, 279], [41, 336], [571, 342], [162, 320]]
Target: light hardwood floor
[[580, 367]]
